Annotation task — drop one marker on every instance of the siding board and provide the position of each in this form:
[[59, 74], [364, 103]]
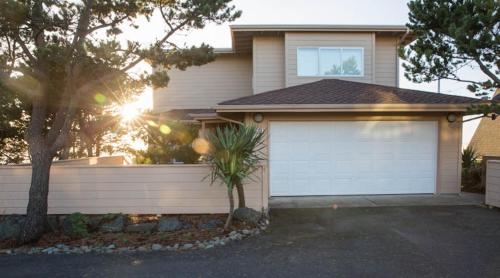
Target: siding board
[[386, 61], [228, 77], [268, 64]]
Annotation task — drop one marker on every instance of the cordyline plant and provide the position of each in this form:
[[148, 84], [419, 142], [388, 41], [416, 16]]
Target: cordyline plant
[[235, 153], [60, 55]]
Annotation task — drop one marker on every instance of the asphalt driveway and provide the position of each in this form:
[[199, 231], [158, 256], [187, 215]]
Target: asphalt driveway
[[437, 241]]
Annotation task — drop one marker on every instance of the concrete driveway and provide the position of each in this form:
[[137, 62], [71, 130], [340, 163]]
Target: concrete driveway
[[424, 241]]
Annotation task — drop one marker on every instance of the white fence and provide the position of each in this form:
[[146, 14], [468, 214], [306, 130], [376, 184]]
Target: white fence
[[133, 189], [492, 197]]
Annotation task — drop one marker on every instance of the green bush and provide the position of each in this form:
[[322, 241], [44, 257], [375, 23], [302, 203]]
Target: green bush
[[469, 157], [471, 171], [78, 224], [168, 141]]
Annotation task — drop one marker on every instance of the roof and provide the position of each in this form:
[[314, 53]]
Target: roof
[[486, 137], [242, 35], [319, 27], [186, 115], [328, 92]]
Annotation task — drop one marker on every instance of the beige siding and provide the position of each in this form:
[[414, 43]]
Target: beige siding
[[450, 146], [492, 197], [449, 141], [228, 77], [151, 189], [386, 61], [316, 39], [268, 64]]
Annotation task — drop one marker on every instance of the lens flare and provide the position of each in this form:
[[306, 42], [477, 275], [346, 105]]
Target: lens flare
[[100, 98], [201, 145], [165, 129], [152, 123]]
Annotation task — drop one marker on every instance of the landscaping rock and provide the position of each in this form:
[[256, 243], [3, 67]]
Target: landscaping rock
[[187, 246], [156, 247], [169, 224], [10, 226], [210, 224], [94, 222], [141, 228], [247, 215], [114, 226], [142, 248]]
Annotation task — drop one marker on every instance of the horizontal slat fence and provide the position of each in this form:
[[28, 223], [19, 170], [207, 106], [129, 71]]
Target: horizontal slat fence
[[492, 197], [132, 189]]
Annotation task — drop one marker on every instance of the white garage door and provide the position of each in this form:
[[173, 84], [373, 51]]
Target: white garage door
[[352, 157]]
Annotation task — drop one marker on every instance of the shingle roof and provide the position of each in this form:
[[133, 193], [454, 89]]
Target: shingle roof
[[335, 91]]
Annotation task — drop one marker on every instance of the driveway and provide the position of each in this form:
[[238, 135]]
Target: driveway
[[424, 241]]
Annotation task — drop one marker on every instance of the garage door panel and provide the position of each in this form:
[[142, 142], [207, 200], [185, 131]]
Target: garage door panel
[[349, 158]]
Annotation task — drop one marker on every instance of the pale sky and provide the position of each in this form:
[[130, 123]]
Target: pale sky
[[379, 12]]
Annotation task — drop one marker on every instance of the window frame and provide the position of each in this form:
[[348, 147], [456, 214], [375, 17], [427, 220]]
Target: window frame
[[341, 48]]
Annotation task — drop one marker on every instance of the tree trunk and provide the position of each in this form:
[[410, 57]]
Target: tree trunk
[[241, 196], [36, 214], [90, 152], [231, 208]]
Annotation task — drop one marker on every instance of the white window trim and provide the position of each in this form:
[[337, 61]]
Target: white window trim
[[362, 74]]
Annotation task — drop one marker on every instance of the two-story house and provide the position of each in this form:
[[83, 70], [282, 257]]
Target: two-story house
[[328, 98]]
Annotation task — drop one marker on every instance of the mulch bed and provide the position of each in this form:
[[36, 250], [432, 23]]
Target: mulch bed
[[185, 235]]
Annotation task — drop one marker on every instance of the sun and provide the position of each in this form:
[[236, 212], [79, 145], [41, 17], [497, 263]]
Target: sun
[[129, 112]]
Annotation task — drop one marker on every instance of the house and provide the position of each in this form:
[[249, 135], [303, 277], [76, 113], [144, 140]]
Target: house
[[328, 98], [487, 135]]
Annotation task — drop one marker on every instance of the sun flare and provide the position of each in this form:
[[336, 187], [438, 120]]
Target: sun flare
[[129, 112]]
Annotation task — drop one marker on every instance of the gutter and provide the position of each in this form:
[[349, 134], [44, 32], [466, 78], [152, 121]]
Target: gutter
[[344, 108]]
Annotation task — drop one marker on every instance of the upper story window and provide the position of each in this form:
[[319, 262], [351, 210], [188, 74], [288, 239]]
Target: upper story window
[[330, 61]]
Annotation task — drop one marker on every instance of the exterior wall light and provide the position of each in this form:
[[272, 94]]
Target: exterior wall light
[[451, 117], [258, 117]]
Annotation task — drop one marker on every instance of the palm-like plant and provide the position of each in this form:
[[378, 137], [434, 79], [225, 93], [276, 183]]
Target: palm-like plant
[[469, 157], [235, 152]]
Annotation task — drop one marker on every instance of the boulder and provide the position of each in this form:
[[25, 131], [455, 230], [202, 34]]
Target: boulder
[[247, 215], [10, 226], [169, 224], [210, 224], [115, 225], [141, 228], [95, 221]]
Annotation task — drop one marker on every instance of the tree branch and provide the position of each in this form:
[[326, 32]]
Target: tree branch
[[487, 71], [25, 49], [90, 85], [104, 25]]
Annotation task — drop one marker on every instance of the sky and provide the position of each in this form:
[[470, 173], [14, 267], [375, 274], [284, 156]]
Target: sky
[[369, 12]]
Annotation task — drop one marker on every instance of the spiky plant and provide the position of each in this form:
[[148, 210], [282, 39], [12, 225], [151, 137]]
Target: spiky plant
[[469, 157], [235, 153]]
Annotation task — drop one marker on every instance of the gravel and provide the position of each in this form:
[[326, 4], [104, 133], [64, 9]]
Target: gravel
[[112, 248]]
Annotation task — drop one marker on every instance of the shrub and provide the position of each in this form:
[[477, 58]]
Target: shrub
[[471, 171], [76, 225], [469, 157]]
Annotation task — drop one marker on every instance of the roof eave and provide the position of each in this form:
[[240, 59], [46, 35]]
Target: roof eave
[[344, 108], [308, 27]]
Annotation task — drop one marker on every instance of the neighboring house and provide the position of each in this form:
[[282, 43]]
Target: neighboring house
[[486, 138], [328, 99]]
